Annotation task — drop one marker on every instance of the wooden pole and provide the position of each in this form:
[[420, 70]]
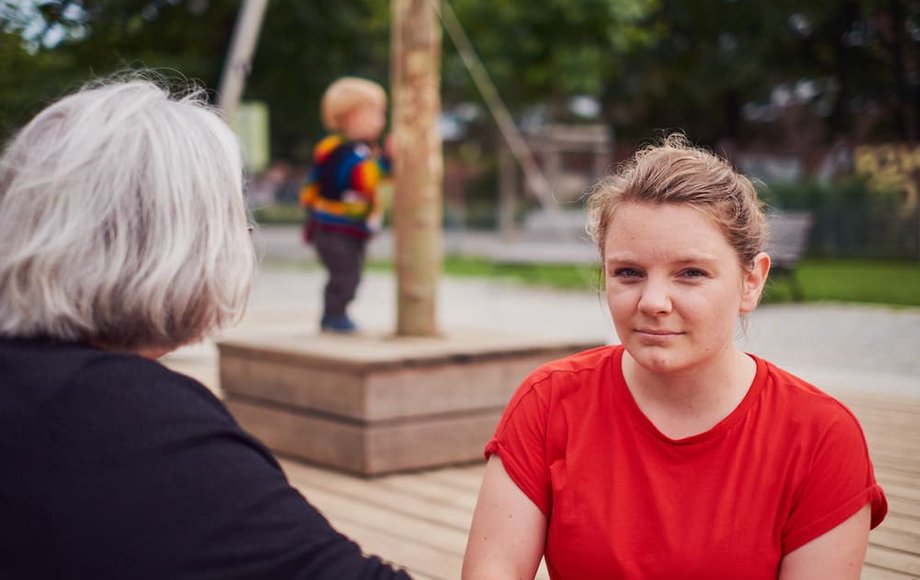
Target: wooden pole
[[418, 164], [507, 192], [239, 59]]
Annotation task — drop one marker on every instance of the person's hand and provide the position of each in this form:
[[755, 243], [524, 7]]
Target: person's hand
[[375, 222]]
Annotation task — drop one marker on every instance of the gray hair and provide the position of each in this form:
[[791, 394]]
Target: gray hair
[[122, 220]]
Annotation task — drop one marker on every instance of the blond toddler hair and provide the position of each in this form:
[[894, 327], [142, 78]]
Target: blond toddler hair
[[344, 96]]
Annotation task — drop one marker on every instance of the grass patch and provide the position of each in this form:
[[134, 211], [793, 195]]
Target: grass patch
[[892, 282], [559, 276], [278, 214]]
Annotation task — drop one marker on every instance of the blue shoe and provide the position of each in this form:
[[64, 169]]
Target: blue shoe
[[339, 323]]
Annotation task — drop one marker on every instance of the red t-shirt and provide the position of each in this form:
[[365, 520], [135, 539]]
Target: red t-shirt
[[625, 501]]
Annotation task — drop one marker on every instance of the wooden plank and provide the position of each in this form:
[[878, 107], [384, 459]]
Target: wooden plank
[[861, 400], [906, 541], [416, 558], [886, 419], [398, 499], [416, 575], [468, 478], [905, 450], [377, 449], [431, 489], [897, 464], [902, 523], [891, 475], [894, 406], [893, 437], [904, 507], [419, 532], [897, 439], [889, 559], [871, 572], [895, 539]]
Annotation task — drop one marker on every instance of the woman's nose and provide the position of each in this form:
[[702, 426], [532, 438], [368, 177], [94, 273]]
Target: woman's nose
[[655, 298]]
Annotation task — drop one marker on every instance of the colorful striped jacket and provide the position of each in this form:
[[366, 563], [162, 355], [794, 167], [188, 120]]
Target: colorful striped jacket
[[341, 189]]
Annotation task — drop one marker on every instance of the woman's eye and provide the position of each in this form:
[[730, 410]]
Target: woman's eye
[[693, 273], [627, 273]]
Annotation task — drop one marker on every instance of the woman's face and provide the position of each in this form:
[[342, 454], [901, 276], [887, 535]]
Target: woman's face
[[675, 286]]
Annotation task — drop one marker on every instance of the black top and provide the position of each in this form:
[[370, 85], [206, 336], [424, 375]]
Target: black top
[[112, 466]]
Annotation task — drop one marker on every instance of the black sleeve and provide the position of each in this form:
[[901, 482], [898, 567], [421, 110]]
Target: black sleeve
[[150, 477]]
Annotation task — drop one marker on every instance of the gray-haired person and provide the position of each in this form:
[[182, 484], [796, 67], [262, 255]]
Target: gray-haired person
[[123, 235]]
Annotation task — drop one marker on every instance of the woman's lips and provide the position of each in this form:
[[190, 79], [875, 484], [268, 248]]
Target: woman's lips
[[653, 335]]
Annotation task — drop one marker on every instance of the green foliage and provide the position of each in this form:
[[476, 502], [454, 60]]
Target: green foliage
[[69, 46], [872, 282], [710, 58], [28, 81], [279, 214], [680, 64], [539, 53], [559, 276]]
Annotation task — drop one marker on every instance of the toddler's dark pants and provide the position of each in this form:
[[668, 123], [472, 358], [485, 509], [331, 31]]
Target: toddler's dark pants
[[343, 256]]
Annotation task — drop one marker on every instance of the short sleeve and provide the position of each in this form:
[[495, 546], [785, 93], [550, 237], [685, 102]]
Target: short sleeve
[[838, 484], [520, 442]]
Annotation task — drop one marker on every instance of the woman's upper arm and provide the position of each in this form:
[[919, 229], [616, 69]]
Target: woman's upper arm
[[836, 555], [508, 532]]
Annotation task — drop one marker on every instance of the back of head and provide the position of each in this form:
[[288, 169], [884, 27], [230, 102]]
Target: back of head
[[675, 172], [345, 95], [122, 220]]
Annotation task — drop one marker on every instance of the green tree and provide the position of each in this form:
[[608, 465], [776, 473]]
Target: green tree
[[28, 80], [546, 52], [52, 46], [847, 64]]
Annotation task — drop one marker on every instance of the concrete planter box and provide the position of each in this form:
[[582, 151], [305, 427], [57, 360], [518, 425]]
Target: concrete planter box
[[375, 404]]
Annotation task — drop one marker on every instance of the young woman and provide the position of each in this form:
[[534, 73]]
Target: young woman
[[674, 454]]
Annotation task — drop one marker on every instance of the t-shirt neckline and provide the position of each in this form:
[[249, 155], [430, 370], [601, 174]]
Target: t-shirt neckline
[[717, 430]]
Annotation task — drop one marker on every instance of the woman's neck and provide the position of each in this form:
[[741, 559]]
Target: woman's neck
[[683, 404], [148, 352]]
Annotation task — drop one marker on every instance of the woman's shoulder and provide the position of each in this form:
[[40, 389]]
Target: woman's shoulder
[[47, 379], [133, 384], [803, 402], [575, 370]]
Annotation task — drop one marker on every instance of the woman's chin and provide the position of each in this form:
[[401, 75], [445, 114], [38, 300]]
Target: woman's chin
[[657, 360]]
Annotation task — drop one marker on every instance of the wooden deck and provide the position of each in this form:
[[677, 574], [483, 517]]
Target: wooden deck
[[419, 521]]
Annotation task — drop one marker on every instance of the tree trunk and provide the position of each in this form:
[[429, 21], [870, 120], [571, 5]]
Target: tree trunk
[[418, 168]]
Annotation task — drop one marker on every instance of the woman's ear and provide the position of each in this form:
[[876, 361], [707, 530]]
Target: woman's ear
[[753, 281]]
